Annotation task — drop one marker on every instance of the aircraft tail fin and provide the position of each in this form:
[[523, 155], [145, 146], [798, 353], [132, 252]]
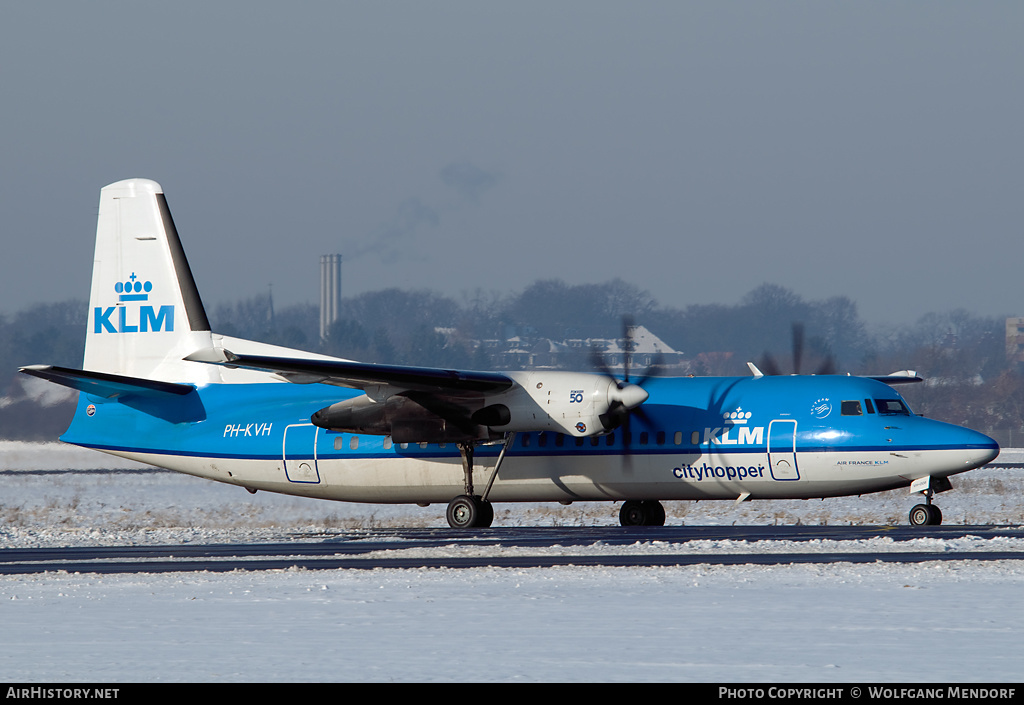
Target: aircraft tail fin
[[145, 313]]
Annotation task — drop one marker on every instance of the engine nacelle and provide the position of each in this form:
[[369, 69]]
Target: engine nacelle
[[408, 421], [573, 403]]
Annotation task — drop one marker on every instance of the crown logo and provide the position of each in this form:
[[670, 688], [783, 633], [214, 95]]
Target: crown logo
[[738, 417], [133, 289]]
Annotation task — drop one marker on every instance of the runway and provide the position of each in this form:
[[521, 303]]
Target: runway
[[535, 547]]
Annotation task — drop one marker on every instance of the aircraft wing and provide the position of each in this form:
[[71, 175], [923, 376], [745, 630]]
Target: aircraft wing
[[901, 377], [361, 375]]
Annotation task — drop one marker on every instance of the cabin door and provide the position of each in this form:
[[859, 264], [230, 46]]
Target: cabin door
[[300, 453], [782, 449]]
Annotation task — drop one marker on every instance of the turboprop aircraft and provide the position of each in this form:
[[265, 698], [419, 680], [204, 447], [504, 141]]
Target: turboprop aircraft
[[158, 386]]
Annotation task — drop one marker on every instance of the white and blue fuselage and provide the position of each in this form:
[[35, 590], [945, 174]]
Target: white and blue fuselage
[[701, 438]]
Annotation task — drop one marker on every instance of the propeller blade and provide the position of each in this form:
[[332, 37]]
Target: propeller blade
[[769, 366], [828, 367], [798, 346], [627, 345], [615, 416], [628, 439], [597, 360], [627, 444], [626, 398], [649, 372]]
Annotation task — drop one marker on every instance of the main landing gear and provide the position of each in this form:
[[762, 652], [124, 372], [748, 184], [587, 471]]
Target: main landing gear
[[469, 510], [648, 512], [472, 511]]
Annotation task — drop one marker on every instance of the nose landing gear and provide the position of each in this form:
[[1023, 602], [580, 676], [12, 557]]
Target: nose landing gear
[[925, 515], [928, 514]]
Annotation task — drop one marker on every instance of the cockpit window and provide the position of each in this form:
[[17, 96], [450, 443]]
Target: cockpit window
[[892, 407], [851, 408]]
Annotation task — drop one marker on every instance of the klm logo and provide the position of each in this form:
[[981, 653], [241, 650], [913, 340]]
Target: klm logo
[[734, 421], [132, 316]]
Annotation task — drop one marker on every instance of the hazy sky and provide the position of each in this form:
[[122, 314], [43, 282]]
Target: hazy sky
[[696, 149]]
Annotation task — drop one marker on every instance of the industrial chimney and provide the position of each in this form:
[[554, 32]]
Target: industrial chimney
[[330, 292]]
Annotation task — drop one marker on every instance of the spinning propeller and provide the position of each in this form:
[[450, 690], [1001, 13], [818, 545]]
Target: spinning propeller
[[625, 397], [771, 367]]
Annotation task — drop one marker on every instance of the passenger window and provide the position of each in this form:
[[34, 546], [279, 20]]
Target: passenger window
[[387, 442], [851, 408], [643, 438], [610, 439], [580, 440], [353, 442], [339, 442], [559, 440], [525, 440], [542, 440]]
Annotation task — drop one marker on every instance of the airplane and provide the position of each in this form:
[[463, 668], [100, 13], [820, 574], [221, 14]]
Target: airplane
[[160, 387]]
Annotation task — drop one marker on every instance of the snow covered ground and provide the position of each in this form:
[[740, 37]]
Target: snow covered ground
[[938, 622]]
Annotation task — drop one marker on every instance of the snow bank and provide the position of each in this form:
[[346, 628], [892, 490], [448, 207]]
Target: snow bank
[[934, 623], [931, 622]]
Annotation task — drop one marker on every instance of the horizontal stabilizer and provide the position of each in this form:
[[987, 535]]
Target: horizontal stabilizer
[[360, 375], [102, 384]]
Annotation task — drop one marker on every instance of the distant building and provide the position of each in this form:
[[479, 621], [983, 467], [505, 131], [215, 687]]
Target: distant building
[[1014, 340], [649, 350], [330, 292]]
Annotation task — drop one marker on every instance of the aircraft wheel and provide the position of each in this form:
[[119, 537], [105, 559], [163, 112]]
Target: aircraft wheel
[[486, 513], [465, 512], [632, 513], [655, 512], [646, 513], [925, 515]]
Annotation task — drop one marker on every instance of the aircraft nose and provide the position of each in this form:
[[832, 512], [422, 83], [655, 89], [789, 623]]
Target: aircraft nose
[[980, 449]]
